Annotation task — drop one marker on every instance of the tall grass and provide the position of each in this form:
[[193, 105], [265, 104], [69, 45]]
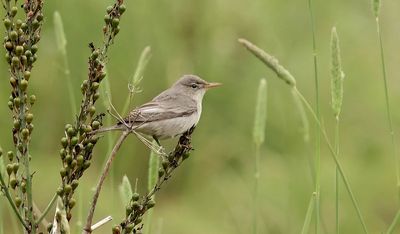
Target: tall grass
[[318, 136], [137, 77], [376, 6], [61, 42], [310, 210], [125, 190], [258, 138], [273, 62], [154, 164], [106, 95], [337, 76]]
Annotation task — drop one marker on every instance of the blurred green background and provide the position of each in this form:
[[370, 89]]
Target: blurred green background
[[212, 192]]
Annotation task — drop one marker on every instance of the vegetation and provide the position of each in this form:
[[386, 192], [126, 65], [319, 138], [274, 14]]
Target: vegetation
[[324, 160]]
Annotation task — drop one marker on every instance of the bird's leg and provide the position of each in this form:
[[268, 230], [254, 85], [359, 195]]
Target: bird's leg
[[157, 149], [158, 142]]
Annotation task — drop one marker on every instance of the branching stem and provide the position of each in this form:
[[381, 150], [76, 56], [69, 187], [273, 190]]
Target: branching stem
[[87, 228]]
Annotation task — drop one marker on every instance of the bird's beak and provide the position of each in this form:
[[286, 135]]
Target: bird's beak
[[212, 85]]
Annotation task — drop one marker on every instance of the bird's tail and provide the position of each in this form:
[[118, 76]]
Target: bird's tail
[[107, 129]]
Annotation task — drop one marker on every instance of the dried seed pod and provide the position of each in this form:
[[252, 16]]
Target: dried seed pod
[[64, 142], [150, 204], [29, 118], [135, 196]]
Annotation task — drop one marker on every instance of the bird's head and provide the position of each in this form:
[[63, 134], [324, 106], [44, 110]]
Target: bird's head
[[194, 86]]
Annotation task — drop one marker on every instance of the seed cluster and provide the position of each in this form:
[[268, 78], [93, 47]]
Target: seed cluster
[[138, 206], [21, 48], [78, 142], [76, 153]]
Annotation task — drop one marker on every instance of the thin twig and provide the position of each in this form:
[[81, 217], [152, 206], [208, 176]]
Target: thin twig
[[87, 228], [47, 209], [101, 223]]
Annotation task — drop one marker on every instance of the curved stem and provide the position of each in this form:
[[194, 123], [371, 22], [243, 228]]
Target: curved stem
[[310, 210], [3, 187], [47, 209], [335, 158], [87, 228]]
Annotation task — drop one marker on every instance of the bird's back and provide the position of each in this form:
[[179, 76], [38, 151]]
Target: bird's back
[[166, 105], [165, 116]]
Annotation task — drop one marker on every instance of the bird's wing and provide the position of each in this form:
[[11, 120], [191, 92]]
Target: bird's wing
[[154, 111]]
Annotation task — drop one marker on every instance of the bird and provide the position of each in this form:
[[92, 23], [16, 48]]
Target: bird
[[169, 114]]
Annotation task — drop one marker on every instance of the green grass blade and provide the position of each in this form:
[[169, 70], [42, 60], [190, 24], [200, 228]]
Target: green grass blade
[[394, 223], [303, 117], [125, 190], [61, 42], [260, 114], [137, 77], [337, 162], [318, 135], [154, 164], [396, 156], [307, 220], [337, 77], [258, 137]]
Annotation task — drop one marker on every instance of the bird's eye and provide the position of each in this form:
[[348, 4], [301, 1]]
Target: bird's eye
[[194, 86]]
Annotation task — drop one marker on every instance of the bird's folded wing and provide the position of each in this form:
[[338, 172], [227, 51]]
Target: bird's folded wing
[[154, 111]]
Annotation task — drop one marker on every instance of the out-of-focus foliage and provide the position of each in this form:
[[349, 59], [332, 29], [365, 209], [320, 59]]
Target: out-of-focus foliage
[[211, 192]]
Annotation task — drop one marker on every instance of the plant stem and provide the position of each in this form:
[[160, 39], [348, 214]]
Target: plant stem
[[154, 164], [337, 173], [67, 74], [29, 193], [87, 227], [47, 209], [310, 210], [335, 158], [101, 223], [318, 136], [6, 192], [256, 181], [394, 223], [388, 112]]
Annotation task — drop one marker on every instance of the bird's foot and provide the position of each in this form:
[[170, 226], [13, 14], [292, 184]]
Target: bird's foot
[[161, 151]]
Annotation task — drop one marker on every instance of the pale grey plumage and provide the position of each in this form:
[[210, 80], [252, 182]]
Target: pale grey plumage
[[171, 113]]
